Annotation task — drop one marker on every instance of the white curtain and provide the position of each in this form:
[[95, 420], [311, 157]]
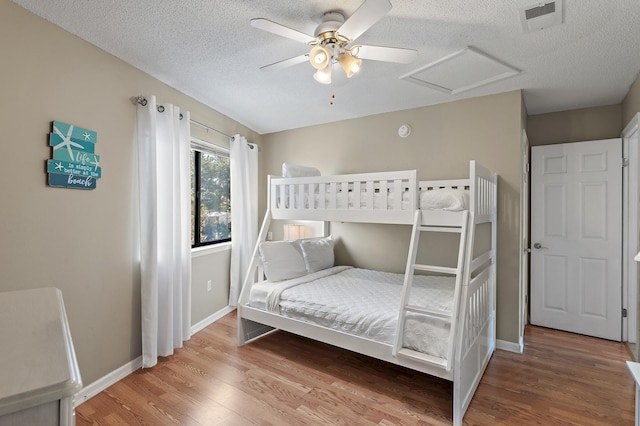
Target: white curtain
[[244, 210], [165, 228]]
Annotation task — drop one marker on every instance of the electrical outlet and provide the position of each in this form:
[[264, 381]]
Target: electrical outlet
[[208, 285], [269, 236]]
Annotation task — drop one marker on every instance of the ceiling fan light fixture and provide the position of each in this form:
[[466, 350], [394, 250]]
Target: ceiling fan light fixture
[[350, 64], [319, 57], [323, 75]]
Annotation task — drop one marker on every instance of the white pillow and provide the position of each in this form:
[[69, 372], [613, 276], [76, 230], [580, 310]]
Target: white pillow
[[444, 199], [318, 253], [282, 260], [293, 170]]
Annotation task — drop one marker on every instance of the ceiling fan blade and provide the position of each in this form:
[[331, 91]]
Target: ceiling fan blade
[[286, 63], [281, 30], [387, 54], [369, 12]]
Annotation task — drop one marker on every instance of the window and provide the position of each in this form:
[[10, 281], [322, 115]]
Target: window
[[210, 195]]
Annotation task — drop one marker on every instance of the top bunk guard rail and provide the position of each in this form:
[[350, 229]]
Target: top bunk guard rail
[[481, 185], [483, 193], [384, 197]]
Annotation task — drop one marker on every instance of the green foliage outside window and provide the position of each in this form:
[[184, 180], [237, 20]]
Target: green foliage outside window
[[210, 198]]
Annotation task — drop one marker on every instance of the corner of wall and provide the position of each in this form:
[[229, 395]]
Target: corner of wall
[[631, 102]]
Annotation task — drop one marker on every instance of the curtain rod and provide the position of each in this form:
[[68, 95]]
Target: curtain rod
[[143, 101], [207, 128]]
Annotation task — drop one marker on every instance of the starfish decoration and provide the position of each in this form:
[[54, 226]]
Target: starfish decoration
[[66, 141], [87, 136], [58, 166]]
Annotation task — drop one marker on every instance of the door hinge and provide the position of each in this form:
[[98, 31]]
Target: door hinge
[[624, 312], [625, 162]]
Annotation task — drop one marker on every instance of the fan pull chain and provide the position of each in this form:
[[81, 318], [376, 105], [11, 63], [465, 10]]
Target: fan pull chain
[[333, 94]]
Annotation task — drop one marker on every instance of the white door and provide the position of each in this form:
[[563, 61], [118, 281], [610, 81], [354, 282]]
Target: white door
[[576, 237]]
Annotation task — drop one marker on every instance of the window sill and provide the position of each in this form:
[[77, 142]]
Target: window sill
[[207, 250]]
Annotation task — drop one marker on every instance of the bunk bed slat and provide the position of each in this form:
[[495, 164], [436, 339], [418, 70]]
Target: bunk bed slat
[[332, 196], [439, 229], [429, 312], [409, 353], [435, 268], [397, 191], [322, 200], [369, 196], [383, 193], [480, 260], [356, 193], [344, 194]]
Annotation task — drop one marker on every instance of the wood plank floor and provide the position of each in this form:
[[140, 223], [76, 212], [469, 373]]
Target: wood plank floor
[[282, 379]]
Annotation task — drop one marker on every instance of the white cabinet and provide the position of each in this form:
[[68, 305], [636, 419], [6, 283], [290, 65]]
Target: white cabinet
[[39, 372]]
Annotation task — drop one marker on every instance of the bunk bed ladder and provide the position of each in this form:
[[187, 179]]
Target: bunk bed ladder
[[412, 267]]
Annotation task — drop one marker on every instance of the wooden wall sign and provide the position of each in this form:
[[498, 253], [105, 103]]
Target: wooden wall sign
[[74, 163]]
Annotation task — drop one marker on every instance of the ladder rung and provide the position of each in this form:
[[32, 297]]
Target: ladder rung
[[456, 229], [426, 311], [410, 353], [432, 268]]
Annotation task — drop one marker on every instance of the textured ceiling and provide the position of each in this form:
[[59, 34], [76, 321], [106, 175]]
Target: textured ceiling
[[208, 50]]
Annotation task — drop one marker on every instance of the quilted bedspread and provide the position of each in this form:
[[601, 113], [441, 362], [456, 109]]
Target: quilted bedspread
[[365, 303]]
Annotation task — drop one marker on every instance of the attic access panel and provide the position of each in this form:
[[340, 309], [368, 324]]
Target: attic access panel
[[461, 71]]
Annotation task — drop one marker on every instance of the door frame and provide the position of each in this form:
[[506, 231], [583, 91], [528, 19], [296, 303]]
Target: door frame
[[623, 229], [630, 235], [630, 231], [525, 214]]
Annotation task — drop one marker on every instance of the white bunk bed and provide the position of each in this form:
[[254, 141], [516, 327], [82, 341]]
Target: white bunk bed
[[396, 198]]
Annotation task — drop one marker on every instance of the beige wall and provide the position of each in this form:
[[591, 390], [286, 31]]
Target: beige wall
[[83, 242], [444, 139], [575, 125], [210, 267]]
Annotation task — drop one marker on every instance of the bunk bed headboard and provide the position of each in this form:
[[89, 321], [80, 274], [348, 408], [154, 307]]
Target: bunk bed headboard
[[385, 197]]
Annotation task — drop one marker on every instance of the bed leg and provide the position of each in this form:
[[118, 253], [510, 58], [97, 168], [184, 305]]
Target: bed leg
[[249, 330], [458, 412]]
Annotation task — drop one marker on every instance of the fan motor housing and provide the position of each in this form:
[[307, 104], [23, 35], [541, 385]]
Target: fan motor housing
[[331, 22]]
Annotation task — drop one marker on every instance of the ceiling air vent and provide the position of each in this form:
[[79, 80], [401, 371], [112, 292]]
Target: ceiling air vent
[[540, 15]]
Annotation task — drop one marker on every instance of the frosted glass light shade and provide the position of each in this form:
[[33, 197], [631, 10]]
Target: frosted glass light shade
[[349, 64], [319, 57], [324, 75]]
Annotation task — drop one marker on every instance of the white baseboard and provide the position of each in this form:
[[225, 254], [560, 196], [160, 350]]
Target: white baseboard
[[510, 346], [211, 319], [104, 382]]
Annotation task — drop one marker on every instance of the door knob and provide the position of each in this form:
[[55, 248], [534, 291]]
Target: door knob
[[538, 246]]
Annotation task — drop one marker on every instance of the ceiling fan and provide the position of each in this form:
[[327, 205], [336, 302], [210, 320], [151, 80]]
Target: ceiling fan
[[334, 42]]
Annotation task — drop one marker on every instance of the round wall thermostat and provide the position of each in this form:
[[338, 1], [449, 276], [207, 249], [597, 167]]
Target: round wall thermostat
[[404, 131]]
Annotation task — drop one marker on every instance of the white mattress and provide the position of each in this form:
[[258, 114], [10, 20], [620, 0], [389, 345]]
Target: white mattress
[[363, 302]]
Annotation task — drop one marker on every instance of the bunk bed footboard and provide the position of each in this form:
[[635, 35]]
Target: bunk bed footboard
[[477, 341]]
